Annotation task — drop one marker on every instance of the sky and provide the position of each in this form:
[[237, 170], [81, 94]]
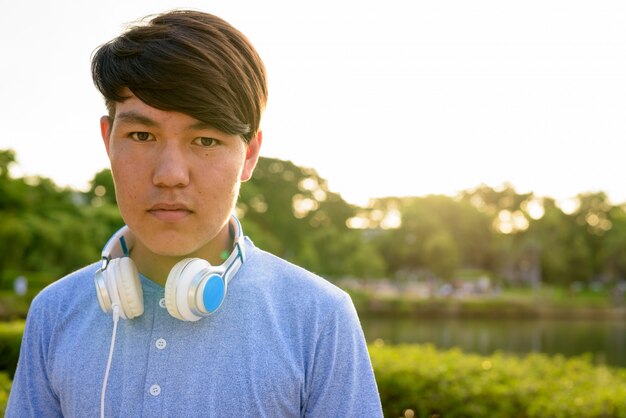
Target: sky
[[395, 98]]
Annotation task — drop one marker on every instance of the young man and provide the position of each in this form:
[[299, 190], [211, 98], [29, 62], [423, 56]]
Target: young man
[[211, 325]]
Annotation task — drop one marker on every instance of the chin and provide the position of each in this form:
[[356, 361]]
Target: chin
[[169, 250], [169, 246]]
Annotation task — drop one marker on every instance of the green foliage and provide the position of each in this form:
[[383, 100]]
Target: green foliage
[[46, 231], [293, 214], [10, 340], [14, 307], [5, 388], [102, 190], [451, 383], [7, 158], [438, 233], [521, 238]]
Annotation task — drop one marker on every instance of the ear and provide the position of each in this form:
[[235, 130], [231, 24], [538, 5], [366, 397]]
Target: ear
[[252, 156], [105, 131]]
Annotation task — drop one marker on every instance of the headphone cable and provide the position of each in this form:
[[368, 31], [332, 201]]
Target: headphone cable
[[116, 317]]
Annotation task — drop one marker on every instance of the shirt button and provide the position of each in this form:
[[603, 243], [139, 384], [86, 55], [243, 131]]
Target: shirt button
[[162, 303], [155, 390], [161, 343]]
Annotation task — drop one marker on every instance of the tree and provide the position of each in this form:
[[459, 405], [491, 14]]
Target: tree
[[438, 234], [292, 213], [612, 255], [102, 189], [565, 255], [7, 159]]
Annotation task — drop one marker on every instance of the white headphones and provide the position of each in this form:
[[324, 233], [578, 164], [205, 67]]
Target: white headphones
[[194, 288]]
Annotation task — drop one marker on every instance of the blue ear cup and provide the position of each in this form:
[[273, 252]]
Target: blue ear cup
[[213, 293], [194, 289]]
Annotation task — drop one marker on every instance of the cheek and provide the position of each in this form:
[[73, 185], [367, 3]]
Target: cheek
[[126, 177], [220, 186], [222, 174], [215, 186]]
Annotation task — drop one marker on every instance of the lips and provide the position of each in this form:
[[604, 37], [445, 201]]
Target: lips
[[170, 212]]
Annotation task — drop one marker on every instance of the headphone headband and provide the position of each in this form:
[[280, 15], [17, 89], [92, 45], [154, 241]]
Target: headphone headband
[[118, 246], [237, 256]]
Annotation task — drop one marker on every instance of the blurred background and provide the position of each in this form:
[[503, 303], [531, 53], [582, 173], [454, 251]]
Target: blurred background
[[455, 166]]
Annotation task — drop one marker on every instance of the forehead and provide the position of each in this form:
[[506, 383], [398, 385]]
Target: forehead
[[134, 110]]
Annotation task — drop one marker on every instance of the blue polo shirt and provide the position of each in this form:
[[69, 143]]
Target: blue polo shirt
[[285, 343]]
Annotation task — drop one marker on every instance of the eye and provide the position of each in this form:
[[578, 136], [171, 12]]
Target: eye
[[206, 141], [141, 136]]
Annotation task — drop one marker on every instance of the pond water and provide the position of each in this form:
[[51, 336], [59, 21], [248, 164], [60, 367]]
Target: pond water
[[605, 340]]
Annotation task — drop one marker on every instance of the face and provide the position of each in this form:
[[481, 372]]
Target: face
[[176, 179]]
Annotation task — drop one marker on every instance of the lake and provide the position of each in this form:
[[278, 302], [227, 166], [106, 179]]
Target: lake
[[605, 340]]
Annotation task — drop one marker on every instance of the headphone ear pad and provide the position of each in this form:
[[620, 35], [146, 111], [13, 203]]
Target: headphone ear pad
[[126, 279], [178, 288], [170, 288]]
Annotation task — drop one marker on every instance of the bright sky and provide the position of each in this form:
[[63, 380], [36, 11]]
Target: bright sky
[[381, 98]]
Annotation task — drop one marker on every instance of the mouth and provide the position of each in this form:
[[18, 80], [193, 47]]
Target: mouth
[[170, 212]]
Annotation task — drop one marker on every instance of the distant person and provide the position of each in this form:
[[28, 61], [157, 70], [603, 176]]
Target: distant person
[[211, 325], [20, 285]]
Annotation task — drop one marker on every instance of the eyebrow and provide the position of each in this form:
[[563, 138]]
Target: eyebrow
[[136, 117], [200, 125]]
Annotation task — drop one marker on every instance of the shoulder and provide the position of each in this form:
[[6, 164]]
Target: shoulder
[[290, 280], [74, 284], [286, 293], [317, 320], [71, 292]]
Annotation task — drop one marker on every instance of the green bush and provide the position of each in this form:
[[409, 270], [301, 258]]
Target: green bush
[[421, 381], [10, 340], [14, 307], [5, 388]]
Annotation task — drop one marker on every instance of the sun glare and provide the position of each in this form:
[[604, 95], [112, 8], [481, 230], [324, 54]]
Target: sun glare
[[509, 222], [534, 208], [568, 206]]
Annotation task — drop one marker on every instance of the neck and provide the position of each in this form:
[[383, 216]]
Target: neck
[[157, 266]]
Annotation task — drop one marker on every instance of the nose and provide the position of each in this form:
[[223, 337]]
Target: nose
[[171, 167]]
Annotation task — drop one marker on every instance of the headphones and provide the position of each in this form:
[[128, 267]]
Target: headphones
[[194, 288]]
